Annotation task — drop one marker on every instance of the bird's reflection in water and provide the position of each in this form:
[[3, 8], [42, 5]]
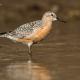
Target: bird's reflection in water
[[27, 71]]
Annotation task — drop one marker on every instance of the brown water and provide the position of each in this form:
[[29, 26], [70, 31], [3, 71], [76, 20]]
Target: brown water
[[27, 71], [57, 56], [59, 53]]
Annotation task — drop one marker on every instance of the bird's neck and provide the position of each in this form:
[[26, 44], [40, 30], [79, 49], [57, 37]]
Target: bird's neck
[[47, 22]]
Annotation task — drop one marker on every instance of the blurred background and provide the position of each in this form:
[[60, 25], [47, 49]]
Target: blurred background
[[59, 52]]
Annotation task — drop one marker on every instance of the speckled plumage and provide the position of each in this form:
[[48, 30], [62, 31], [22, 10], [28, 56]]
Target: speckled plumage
[[26, 30]]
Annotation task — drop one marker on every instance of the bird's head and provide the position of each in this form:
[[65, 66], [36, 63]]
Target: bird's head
[[51, 16]]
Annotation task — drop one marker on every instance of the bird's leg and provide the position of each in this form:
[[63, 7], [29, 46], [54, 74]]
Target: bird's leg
[[29, 51]]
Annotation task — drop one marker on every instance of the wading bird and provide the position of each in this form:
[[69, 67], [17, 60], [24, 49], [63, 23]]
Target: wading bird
[[32, 32]]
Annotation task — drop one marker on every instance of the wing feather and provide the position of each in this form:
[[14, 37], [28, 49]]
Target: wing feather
[[26, 30]]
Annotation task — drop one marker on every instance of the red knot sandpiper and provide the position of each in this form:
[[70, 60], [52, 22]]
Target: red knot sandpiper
[[32, 32]]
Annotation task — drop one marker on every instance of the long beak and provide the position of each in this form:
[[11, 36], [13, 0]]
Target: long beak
[[61, 20]]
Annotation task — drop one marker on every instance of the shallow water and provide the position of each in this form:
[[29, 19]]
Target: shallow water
[[27, 71], [59, 53]]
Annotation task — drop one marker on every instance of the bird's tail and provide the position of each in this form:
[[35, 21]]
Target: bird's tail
[[4, 34]]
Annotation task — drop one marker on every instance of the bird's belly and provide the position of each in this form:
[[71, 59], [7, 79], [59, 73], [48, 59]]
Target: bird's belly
[[24, 40], [41, 33]]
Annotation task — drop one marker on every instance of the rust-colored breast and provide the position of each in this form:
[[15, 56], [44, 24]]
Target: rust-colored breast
[[42, 32]]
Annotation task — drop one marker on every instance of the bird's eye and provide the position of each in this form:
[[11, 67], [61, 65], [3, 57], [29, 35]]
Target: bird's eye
[[51, 14]]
